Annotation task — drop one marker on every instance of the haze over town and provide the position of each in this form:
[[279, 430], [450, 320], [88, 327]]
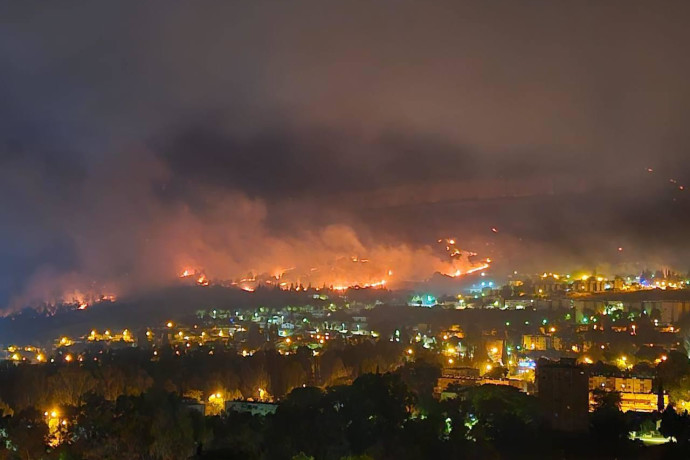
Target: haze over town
[[343, 230]]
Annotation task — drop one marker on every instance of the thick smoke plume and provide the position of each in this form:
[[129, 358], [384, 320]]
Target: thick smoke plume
[[239, 139], [139, 236]]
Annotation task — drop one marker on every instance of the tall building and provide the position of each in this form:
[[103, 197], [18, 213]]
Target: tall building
[[563, 393]]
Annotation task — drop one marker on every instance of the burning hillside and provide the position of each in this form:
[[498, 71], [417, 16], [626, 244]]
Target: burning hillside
[[212, 235], [330, 267]]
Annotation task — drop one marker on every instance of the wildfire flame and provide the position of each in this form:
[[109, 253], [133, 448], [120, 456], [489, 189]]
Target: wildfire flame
[[456, 256], [199, 277], [350, 271]]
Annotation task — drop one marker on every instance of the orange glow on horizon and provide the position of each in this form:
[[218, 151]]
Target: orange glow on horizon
[[377, 268]]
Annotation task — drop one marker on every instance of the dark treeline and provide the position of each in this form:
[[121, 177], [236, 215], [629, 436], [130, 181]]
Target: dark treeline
[[203, 371], [378, 416], [361, 401]]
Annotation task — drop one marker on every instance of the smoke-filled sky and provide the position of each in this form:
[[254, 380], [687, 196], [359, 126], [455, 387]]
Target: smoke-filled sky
[[138, 138]]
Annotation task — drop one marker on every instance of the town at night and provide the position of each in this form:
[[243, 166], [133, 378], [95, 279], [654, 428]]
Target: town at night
[[324, 230]]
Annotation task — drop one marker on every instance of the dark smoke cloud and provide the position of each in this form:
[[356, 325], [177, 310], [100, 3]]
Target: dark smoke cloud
[[138, 137]]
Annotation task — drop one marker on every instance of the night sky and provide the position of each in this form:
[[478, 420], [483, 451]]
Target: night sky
[[140, 137]]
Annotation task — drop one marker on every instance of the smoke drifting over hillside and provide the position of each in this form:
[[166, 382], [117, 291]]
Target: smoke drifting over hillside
[[132, 233], [138, 141]]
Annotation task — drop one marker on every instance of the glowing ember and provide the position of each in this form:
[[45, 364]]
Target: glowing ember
[[197, 275], [187, 273], [483, 266]]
